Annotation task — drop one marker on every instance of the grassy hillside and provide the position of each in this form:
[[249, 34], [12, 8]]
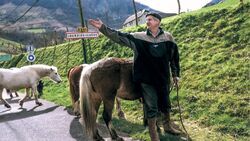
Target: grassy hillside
[[10, 47], [214, 48]]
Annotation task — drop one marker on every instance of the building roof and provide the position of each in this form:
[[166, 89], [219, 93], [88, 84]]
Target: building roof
[[164, 15], [141, 12], [132, 17]]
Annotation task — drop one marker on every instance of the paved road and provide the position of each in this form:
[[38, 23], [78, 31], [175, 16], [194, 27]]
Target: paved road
[[48, 122]]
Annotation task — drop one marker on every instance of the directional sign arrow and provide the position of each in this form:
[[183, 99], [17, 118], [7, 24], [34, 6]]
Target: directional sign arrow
[[31, 57]]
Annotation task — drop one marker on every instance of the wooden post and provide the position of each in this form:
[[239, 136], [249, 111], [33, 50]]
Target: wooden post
[[82, 24], [135, 10]]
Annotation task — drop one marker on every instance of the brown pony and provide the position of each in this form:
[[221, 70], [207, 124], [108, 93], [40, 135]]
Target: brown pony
[[100, 82], [74, 74]]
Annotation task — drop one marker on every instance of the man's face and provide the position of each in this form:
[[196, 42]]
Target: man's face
[[152, 22]]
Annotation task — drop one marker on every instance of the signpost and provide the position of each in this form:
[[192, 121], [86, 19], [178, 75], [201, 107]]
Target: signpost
[[82, 32], [82, 25], [5, 57], [30, 57]]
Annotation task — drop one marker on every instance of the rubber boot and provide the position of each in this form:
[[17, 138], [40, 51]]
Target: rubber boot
[[152, 129], [167, 126]]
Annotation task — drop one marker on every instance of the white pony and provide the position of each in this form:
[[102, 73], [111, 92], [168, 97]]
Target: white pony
[[26, 77]]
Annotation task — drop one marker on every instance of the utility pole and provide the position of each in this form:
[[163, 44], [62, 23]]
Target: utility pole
[[179, 7], [135, 10], [82, 24]]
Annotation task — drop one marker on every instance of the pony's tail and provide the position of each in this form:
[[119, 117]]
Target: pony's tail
[[86, 108]]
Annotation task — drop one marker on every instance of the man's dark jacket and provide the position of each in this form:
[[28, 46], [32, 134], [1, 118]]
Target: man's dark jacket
[[152, 55]]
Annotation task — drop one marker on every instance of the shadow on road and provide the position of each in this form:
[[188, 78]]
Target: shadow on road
[[16, 100], [24, 113], [76, 129]]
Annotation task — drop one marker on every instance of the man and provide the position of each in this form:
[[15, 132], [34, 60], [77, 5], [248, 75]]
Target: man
[[154, 54]]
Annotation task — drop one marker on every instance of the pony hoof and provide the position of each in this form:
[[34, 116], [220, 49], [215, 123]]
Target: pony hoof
[[39, 103], [7, 105], [99, 138], [77, 114], [119, 139], [121, 116]]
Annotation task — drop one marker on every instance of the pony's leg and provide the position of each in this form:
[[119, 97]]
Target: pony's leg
[[97, 102], [24, 98], [74, 93], [34, 92], [16, 94], [76, 108], [11, 96], [107, 116], [97, 136], [29, 95], [6, 104], [9, 92], [121, 114]]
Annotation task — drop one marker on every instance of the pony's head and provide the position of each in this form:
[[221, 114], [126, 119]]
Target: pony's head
[[54, 75]]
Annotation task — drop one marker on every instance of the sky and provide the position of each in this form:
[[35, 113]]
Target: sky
[[171, 6]]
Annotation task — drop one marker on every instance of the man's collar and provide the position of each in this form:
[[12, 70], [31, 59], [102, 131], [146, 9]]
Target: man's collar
[[160, 31]]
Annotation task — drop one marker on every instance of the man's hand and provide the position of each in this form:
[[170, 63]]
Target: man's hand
[[176, 81], [96, 23]]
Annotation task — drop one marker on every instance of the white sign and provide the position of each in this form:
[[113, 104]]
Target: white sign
[[31, 57], [30, 48], [79, 35]]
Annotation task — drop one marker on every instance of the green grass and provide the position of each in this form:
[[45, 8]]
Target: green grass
[[214, 45], [10, 47]]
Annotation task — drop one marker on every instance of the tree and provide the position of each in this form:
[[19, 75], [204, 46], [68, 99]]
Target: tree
[[136, 19], [179, 6]]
